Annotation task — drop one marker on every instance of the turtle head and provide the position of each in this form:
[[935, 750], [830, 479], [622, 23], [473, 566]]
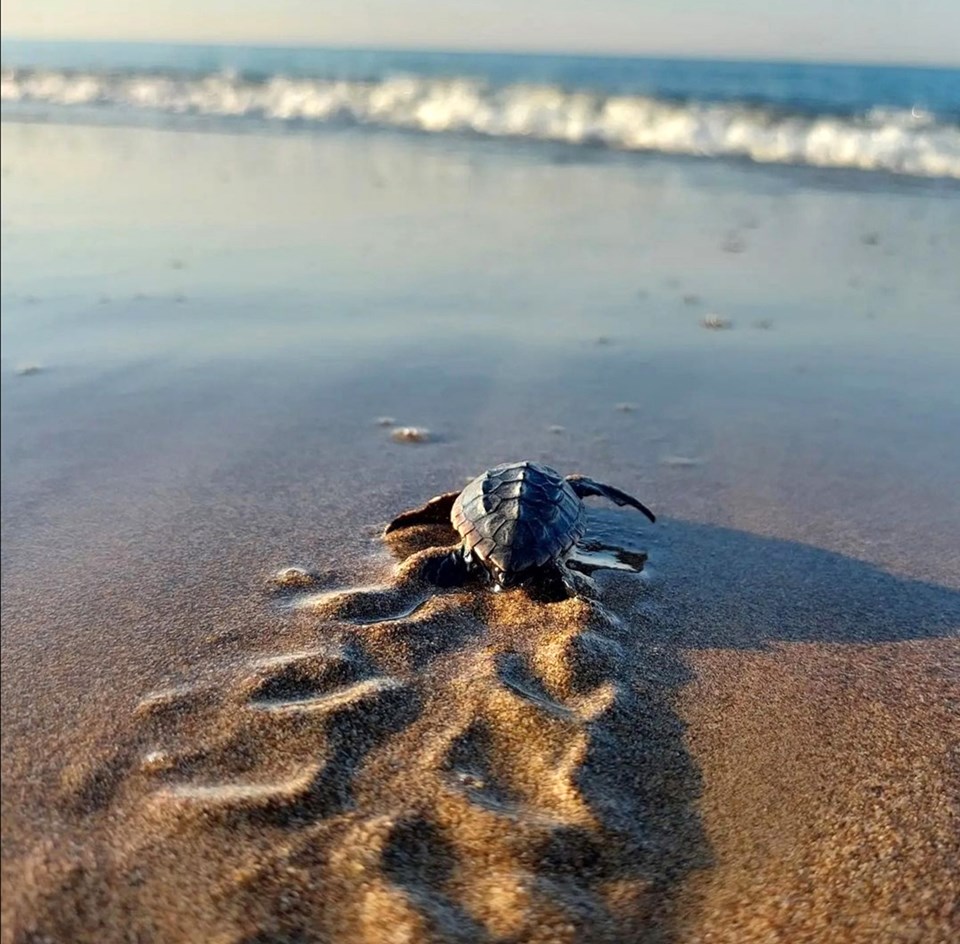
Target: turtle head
[[499, 579]]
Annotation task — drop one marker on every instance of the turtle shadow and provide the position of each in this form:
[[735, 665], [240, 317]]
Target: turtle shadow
[[716, 587], [722, 588], [704, 586]]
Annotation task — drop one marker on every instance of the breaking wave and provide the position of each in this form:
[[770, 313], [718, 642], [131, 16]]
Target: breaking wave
[[913, 142]]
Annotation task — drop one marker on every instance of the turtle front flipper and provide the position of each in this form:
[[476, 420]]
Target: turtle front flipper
[[448, 571], [584, 487], [435, 511]]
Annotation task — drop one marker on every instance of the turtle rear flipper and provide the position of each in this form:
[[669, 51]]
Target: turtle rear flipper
[[435, 511], [584, 486]]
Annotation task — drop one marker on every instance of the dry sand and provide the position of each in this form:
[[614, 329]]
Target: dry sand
[[830, 798], [466, 766]]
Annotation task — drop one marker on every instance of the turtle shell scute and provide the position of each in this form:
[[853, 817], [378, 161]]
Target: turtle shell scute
[[518, 516]]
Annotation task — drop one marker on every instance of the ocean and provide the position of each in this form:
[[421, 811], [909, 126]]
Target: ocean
[[892, 119]]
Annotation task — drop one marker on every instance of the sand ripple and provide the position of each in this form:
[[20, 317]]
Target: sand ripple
[[416, 766]]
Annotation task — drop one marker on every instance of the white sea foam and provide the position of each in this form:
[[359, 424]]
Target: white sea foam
[[899, 141]]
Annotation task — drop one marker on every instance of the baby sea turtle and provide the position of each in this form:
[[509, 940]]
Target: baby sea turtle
[[518, 521]]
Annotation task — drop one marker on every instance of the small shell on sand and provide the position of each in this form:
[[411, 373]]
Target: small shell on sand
[[715, 322], [292, 578], [28, 370], [410, 434], [385, 421], [733, 244], [156, 760]]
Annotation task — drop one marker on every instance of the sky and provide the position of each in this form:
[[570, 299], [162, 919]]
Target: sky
[[911, 31]]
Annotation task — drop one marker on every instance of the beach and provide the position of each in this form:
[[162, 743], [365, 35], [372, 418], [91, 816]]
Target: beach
[[209, 338]]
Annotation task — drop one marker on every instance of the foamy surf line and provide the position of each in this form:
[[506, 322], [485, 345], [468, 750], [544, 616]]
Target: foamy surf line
[[911, 142]]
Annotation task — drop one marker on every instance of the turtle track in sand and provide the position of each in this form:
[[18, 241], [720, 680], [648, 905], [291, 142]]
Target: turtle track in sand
[[400, 764], [413, 766]]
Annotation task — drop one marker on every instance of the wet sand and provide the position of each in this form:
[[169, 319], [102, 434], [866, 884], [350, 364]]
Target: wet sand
[[752, 739]]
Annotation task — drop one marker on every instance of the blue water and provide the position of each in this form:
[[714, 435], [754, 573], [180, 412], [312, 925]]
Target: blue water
[[889, 118]]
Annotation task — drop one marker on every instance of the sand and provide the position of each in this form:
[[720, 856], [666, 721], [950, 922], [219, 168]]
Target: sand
[[832, 809], [747, 731], [415, 765]]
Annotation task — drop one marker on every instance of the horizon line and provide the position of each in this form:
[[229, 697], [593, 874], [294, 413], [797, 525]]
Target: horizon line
[[476, 51]]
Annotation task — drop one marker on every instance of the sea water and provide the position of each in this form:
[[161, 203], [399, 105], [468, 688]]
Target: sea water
[[894, 119]]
